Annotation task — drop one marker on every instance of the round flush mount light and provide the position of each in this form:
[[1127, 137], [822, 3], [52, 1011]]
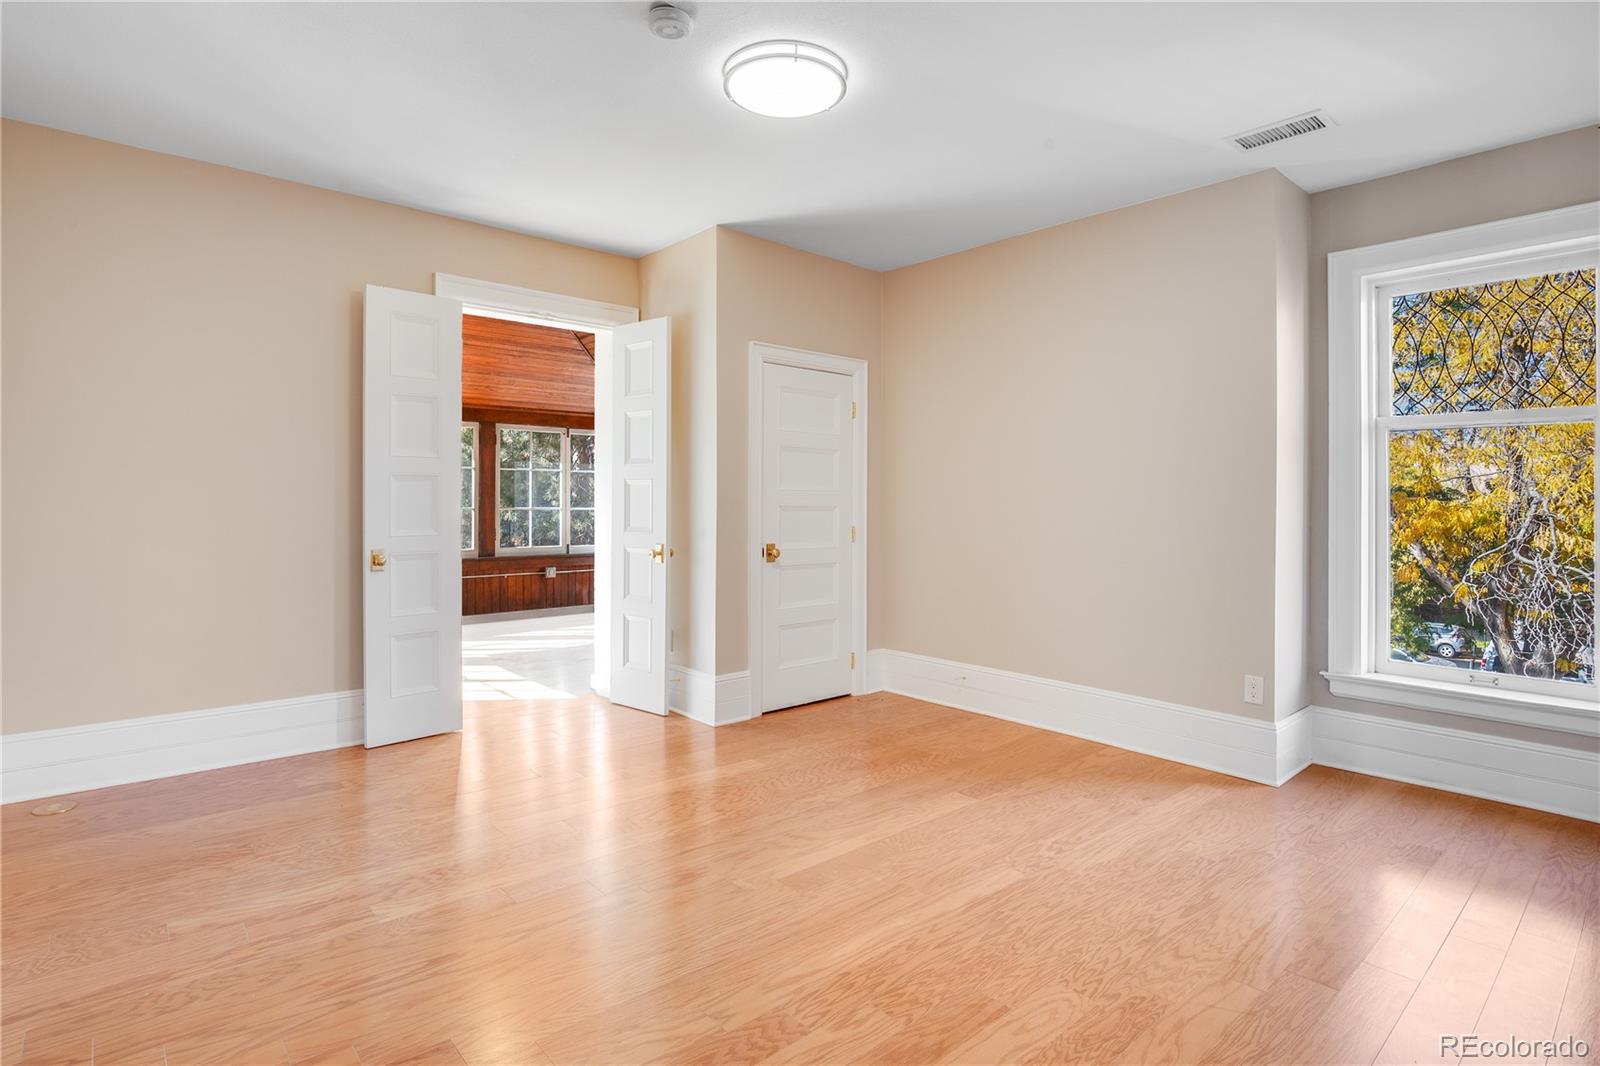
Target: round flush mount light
[[784, 79]]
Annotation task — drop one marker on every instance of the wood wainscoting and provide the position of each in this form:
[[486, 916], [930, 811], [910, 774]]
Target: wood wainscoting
[[519, 583]]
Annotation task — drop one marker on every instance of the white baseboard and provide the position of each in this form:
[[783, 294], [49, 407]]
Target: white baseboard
[[1295, 743], [1227, 743], [1540, 776], [713, 700], [52, 762]]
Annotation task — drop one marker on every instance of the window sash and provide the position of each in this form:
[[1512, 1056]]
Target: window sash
[[1381, 424], [564, 508]]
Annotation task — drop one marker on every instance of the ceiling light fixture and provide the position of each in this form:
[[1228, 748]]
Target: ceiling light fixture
[[784, 79]]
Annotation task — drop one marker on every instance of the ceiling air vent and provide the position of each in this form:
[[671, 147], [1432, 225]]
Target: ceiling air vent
[[1299, 126]]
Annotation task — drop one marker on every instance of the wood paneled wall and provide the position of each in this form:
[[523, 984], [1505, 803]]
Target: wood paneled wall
[[518, 583], [516, 373]]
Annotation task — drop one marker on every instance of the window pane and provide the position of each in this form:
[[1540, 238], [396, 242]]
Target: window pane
[[1528, 342], [582, 533], [515, 447], [513, 528], [582, 446], [546, 451], [467, 450], [466, 488], [546, 528], [547, 488], [582, 490], [1492, 549], [514, 488], [466, 529]]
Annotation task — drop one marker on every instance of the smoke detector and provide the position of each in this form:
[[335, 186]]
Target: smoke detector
[[1299, 126], [670, 23]]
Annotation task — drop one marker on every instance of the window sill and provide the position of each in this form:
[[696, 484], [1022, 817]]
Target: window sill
[[1568, 715]]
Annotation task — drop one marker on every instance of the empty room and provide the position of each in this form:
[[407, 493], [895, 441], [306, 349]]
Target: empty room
[[719, 532]]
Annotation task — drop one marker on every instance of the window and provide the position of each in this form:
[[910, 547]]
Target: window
[[546, 488], [1462, 539], [469, 485], [580, 494]]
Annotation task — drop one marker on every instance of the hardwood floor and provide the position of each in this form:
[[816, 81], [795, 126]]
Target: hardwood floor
[[866, 880]]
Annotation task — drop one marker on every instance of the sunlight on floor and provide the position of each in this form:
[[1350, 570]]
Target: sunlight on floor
[[548, 658]]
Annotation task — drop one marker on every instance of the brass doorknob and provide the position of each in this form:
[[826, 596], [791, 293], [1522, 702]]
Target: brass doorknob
[[658, 552], [772, 552], [378, 559]]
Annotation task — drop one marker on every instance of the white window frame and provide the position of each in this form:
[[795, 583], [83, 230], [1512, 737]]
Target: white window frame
[[1360, 420], [471, 550], [565, 547]]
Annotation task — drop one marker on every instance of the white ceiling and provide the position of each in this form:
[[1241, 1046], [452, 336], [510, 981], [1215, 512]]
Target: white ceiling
[[964, 123]]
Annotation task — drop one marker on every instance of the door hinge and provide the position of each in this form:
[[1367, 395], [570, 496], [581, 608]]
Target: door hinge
[[852, 660], [852, 534], [852, 408]]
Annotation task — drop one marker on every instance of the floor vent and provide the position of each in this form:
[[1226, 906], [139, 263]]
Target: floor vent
[[1299, 126]]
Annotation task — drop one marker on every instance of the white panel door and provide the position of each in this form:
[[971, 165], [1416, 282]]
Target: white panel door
[[641, 420], [808, 463], [411, 515]]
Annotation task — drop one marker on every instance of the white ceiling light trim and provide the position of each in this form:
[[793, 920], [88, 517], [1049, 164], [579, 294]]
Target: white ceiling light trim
[[785, 79]]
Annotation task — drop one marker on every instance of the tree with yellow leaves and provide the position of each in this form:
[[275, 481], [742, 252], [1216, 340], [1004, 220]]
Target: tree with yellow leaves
[[1498, 520]]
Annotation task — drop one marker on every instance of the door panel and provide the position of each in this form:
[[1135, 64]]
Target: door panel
[[641, 399], [808, 461], [411, 499]]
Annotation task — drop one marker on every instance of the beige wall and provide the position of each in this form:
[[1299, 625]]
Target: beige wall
[[772, 293], [1081, 437], [681, 281], [1098, 451], [182, 357], [1540, 175], [1291, 575]]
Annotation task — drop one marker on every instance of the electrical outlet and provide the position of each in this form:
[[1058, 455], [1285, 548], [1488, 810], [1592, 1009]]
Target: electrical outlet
[[1254, 688]]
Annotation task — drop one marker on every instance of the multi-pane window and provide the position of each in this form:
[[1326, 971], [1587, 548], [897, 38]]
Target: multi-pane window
[[580, 489], [469, 484], [1489, 478], [546, 488]]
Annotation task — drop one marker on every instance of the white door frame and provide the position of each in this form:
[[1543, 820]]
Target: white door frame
[[601, 318], [761, 354]]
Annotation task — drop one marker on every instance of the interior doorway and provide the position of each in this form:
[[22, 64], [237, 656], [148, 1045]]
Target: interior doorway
[[529, 507], [556, 498]]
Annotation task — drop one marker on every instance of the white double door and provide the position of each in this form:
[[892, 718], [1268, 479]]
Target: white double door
[[808, 470], [412, 505]]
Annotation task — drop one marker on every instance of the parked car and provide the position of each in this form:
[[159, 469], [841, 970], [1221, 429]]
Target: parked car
[[1446, 641]]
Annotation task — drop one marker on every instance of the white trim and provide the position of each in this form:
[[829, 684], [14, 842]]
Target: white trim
[[713, 701], [1296, 743], [1540, 776], [1226, 743], [762, 353], [51, 762], [1357, 405], [1494, 704], [568, 310]]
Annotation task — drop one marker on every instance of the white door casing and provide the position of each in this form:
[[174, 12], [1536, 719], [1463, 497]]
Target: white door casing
[[808, 470], [641, 417], [411, 506]]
